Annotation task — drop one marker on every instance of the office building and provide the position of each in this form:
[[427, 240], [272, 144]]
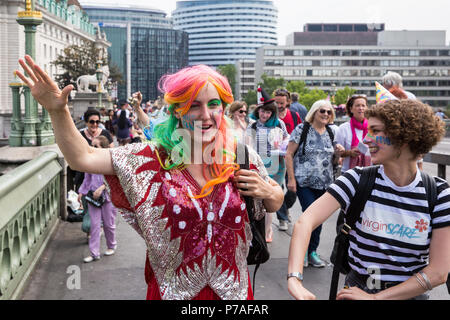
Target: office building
[[421, 57], [144, 44]]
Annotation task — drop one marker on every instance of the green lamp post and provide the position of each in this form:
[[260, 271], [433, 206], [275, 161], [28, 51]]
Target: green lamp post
[[30, 19], [99, 74], [15, 136], [33, 131]]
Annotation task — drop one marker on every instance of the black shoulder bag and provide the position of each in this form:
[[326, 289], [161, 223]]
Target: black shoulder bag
[[346, 222], [258, 252]]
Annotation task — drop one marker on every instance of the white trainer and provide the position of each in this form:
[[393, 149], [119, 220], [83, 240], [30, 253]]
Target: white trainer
[[90, 259]]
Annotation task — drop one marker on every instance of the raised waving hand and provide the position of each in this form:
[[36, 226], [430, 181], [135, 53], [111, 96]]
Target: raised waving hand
[[77, 152], [42, 87]]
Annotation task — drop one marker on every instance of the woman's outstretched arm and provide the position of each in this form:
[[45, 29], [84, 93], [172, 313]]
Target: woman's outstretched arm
[[77, 152]]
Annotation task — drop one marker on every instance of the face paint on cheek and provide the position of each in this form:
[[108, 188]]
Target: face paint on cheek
[[378, 140], [383, 140], [217, 116], [188, 122]]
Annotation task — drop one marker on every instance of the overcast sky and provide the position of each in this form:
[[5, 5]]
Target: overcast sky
[[293, 14]]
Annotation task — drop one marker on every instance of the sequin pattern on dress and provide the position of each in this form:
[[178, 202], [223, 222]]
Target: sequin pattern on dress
[[191, 243]]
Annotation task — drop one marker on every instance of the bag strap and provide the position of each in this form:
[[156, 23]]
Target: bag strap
[[306, 126], [431, 190], [295, 117], [362, 193], [249, 203], [330, 133]]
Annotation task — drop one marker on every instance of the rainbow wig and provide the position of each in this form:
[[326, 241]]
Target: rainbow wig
[[183, 87]]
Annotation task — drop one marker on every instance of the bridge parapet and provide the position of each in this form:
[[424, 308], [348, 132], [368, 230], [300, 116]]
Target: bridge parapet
[[29, 212]]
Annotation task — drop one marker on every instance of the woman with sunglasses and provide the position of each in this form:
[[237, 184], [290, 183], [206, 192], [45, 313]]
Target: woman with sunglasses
[[238, 113], [351, 134], [399, 248], [92, 119], [309, 165], [182, 191]]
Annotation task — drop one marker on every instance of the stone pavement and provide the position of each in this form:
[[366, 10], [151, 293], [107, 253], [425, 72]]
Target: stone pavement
[[61, 274]]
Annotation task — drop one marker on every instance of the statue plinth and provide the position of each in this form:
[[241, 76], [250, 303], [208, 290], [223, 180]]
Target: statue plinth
[[85, 100]]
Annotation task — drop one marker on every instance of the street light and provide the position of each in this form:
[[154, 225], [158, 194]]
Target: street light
[[333, 92]]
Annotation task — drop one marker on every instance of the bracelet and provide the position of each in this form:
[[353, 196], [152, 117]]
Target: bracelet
[[422, 284], [427, 281]]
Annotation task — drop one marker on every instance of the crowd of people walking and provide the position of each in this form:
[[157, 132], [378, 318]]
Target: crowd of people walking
[[185, 190]]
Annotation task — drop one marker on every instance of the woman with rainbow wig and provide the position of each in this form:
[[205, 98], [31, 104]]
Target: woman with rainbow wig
[[183, 190]]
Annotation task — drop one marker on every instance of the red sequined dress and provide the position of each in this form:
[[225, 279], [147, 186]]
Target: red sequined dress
[[196, 249]]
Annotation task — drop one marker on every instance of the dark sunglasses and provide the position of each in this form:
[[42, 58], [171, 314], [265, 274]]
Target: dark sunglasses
[[327, 111], [94, 121], [243, 111]]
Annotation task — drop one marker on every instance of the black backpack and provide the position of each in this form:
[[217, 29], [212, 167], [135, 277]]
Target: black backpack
[[295, 118], [346, 222], [306, 126], [258, 252]]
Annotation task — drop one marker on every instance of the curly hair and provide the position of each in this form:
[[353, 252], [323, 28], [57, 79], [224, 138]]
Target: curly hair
[[409, 122]]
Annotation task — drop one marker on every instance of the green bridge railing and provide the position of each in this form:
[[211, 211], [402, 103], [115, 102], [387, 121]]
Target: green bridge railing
[[29, 212]]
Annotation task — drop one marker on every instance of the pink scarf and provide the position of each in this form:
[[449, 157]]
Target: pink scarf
[[361, 160], [360, 126]]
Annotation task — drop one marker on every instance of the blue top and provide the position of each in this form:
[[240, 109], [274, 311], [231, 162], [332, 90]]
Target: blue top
[[123, 133], [315, 168]]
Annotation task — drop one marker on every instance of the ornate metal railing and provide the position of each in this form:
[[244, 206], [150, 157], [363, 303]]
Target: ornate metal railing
[[29, 211]]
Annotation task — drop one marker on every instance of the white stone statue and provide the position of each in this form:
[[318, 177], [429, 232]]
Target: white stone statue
[[84, 81]]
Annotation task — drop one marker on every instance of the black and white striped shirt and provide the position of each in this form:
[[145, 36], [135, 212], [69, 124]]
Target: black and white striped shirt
[[392, 236]]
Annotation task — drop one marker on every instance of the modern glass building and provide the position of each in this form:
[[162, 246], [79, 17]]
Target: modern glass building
[[144, 45], [224, 31]]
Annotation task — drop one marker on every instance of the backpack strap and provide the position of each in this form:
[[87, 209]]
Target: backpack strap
[[357, 204], [306, 126], [431, 190], [362, 193], [330, 133], [295, 117], [249, 204]]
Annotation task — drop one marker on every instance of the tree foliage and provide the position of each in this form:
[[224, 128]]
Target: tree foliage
[[251, 97], [270, 84], [229, 71], [297, 86], [307, 99], [80, 60], [343, 95]]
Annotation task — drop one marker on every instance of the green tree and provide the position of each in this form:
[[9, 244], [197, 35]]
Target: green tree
[[270, 84], [308, 99], [343, 95], [229, 71], [80, 60], [251, 97], [297, 86]]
